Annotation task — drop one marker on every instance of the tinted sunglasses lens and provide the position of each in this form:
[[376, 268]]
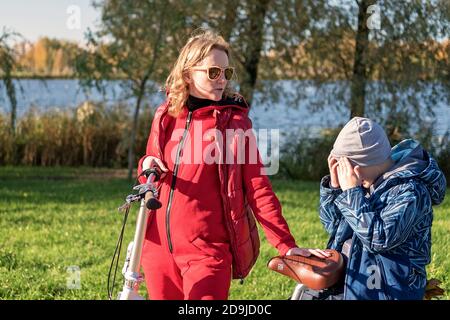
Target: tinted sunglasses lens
[[229, 73], [214, 73]]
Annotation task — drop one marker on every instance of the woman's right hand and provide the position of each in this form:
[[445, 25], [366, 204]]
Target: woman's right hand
[[308, 252], [151, 162], [332, 165]]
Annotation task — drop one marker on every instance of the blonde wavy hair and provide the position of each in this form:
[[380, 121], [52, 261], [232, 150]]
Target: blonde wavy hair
[[194, 51]]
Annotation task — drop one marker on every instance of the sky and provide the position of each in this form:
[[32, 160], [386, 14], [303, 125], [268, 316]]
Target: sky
[[62, 19]]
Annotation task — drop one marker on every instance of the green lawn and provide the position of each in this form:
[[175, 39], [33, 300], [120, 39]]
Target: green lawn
[[53, 218]]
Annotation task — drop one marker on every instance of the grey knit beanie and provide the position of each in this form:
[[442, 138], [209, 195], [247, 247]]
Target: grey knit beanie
[[362, 141]]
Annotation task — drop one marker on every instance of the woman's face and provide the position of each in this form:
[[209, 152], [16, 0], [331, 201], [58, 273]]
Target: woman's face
[[200, 85]]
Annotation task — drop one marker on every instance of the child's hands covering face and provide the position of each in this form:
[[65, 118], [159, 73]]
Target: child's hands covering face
[[332, 165], [347, 175]]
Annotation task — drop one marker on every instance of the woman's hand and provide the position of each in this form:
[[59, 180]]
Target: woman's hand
[[151, 162], [308, 252], [346, 174], [332, 165]]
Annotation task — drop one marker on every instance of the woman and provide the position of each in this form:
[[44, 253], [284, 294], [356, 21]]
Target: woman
[[204, 234]]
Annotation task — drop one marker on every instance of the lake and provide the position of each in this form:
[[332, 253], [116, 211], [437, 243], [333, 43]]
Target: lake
[[67, 93]]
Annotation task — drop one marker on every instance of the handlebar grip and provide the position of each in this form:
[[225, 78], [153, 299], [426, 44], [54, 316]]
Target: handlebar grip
[[155, 171], [153, 204], [153, 175]]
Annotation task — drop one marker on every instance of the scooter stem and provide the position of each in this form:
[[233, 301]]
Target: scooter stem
[[132, 275]]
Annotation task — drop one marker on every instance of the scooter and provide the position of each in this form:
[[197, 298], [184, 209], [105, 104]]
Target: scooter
[[147, 195]]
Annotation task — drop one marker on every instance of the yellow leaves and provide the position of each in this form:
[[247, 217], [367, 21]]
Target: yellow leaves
[[47, 57], [40, 56], [58, 63], [85, 111]]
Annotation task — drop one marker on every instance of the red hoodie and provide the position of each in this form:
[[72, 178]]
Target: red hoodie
[[215, 201]]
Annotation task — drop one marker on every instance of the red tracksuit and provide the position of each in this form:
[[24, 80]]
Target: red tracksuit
[[187, 252]]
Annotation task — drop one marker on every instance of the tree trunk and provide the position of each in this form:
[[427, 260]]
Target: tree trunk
[[131, 155], [359, 77], [10, 91], [231, 8], [156, 47], [256, 17]]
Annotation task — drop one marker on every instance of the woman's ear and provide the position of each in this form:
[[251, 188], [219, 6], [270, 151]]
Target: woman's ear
[[187, 77]]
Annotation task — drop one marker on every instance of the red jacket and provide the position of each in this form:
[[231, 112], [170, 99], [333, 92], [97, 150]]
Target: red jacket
[[237, 192]]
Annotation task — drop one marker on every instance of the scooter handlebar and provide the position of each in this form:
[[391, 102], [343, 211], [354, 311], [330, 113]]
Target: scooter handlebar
[[153, 175]]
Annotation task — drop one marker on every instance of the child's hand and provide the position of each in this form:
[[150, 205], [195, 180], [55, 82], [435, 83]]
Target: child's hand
[[332, 165], [346, 174]]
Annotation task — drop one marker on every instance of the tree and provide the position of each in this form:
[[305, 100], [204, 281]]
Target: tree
[[250, 43], [58, 63], [7, 65], [396, 70], [244, 25], [385, 72], [138, 41], [41, 56], [46, 57], [360, 69]]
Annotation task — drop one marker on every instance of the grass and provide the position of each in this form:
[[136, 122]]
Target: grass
[[54, 218]]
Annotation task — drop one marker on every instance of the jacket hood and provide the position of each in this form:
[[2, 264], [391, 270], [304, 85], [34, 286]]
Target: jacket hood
[[412, 161]]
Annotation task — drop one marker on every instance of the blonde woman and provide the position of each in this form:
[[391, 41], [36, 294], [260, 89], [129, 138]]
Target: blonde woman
[[205, 233]]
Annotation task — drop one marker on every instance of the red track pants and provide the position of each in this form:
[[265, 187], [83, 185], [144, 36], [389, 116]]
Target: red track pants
[[195, 269]]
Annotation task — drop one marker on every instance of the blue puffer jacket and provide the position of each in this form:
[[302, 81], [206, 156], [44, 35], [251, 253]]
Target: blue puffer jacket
[[389, 226]]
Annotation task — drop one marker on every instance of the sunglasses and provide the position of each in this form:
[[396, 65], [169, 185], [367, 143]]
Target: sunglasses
[[214, 72]]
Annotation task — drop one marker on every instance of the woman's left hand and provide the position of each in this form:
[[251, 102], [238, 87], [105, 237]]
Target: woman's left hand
[[308, 252]]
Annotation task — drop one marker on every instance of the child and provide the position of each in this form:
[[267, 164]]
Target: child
[[204, 234], [377, 206]]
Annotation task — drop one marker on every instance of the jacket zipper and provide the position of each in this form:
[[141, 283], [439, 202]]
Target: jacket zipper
[[174, 179]]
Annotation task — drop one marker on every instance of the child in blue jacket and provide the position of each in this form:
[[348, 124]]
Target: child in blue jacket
[[376, 204]]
